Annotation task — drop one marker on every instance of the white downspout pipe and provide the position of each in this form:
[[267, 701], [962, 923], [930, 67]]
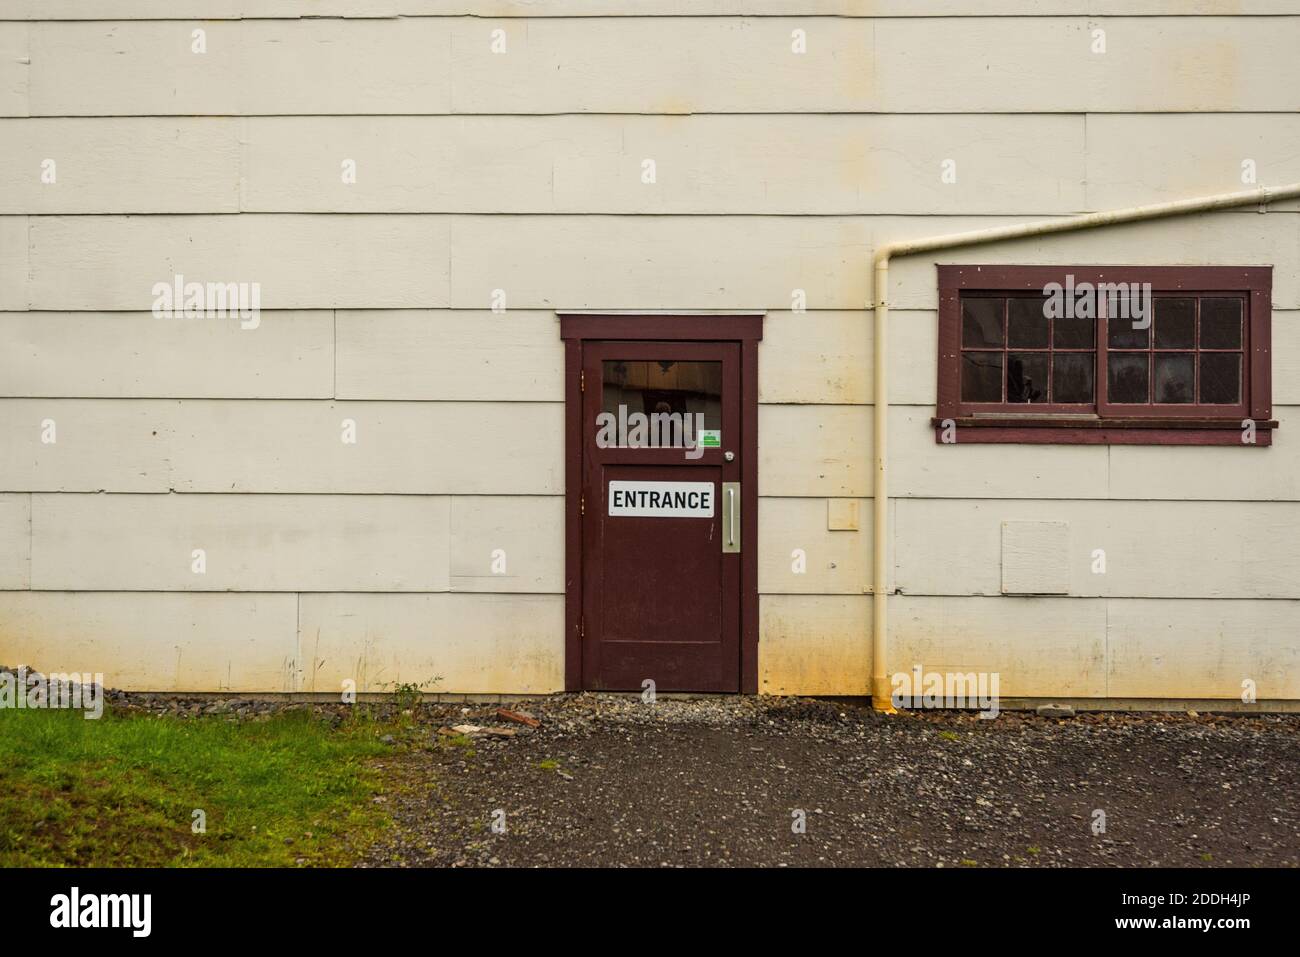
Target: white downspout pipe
[[880, 685]]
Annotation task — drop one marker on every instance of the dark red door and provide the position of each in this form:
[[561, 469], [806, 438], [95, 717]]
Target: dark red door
[[661, 515]]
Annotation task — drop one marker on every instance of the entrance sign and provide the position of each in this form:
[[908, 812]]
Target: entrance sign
[[661, 499]]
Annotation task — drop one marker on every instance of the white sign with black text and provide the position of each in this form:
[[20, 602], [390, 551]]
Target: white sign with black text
[[661, 499]]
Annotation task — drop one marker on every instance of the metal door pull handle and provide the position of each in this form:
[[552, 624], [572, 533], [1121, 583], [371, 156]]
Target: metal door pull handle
[[731, 518]]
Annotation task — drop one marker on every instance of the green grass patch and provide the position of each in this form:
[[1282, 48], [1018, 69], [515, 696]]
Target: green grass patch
[[121, 791]]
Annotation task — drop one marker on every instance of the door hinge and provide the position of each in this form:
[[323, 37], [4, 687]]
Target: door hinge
[[582, 381], [582, 504], [582, 627]]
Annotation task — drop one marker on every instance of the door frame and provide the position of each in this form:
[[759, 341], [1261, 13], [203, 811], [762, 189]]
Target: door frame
[[745, 329]]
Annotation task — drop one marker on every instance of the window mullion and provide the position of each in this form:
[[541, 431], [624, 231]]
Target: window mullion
[[1102, 397]]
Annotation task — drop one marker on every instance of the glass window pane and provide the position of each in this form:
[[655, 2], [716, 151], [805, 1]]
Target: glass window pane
[[663, 387], [1174, 378], [1127, 304], [1027, 377], [1126, 379], [1220, 377], [1026, 324], [1072, 376], [1074, 333], [1175, 324], [981, 322], [1221, 324], [981, 376], [1121, 334]]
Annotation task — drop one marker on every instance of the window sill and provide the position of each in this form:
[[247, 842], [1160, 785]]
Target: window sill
[[1091, 430]]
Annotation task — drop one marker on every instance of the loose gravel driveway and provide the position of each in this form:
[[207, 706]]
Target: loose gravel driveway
[[611, 781]]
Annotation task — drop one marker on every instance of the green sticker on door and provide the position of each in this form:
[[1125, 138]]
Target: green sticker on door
[[710, 439]]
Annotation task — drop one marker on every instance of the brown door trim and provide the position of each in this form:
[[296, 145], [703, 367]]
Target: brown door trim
[[746, 330]]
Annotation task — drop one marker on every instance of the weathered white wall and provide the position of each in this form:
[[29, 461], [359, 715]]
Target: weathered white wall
[[775, 172]]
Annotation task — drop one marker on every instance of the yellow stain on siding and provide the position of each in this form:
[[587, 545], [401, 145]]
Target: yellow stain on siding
[[814, 644]]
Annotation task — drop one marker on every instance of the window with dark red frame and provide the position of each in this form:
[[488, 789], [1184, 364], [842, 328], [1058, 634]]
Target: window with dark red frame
[[1114, 354]]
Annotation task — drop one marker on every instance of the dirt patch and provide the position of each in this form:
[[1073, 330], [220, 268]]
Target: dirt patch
[[610, 781]]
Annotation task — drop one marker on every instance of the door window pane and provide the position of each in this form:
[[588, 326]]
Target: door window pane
[[668, 388]]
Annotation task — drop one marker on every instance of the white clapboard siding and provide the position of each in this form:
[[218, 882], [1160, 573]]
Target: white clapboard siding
[[593, 164], [252, 542], [814, 644], [447, 65], [913, 356], [664, 65], [578, 262], [13, 262], [703, 164], [1009, 64], [505, 543], [514, 356], [920, 467], [833, 562], [1135, 159], [377, 261], [1152, 549], [923, 468], [1232, 472], [819, 358], [814, 450], [208, 9], [1286, 351], [235, 9], [1205, 649], [661, 262], [615, 262], [1149, 64], [473, 644], [138, 355], [411, 448], [120, 165], [113, 262], [155, 642], [283, 446], [16, 534], [14, 77], [84, 445], [1039, 647], [147, 68]]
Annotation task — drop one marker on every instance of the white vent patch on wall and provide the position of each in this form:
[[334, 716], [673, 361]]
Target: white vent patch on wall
[[1035, 558]]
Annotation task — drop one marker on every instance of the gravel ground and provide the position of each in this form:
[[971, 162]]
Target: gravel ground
[[610, 781]]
